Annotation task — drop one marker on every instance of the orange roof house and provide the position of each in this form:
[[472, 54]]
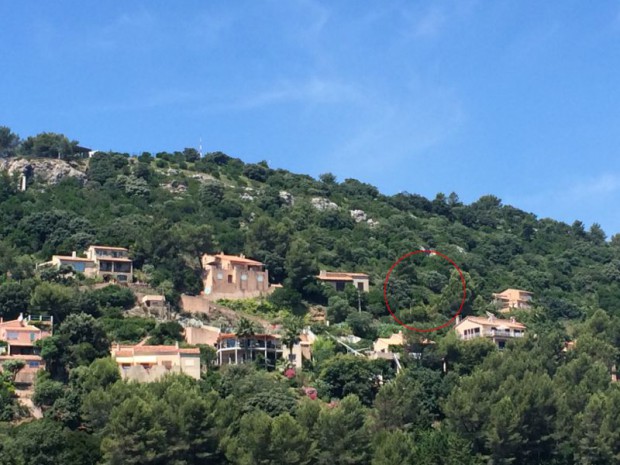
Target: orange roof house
[[146, 363], [20, 337], [497, 329], [513, 299], [233, 277], [338, 279]]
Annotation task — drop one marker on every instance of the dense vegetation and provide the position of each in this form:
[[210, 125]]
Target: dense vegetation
[[533, 402]]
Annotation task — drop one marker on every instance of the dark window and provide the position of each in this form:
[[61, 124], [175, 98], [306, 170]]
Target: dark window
[[230, 278], [360, 286], [340, 286]]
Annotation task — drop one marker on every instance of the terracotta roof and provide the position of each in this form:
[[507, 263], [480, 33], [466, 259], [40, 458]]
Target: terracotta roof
[[514, 290], [73, 259], [495, 322], [107, 247], [17, 325], [237, 259], [340, 276], [129, 351], [27, 358]]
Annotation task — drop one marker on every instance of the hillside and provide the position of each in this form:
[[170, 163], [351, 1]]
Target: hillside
[[538, 400]]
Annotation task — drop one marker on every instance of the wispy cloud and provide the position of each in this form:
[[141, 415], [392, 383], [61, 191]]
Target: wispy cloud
[[311, 91]]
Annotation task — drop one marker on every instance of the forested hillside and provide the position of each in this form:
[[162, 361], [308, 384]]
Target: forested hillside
[[533, 402]]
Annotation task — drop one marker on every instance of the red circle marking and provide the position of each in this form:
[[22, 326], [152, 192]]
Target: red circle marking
[[387, 278]]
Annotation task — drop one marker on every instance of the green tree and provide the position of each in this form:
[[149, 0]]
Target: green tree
[[48, 145], [8, 142]]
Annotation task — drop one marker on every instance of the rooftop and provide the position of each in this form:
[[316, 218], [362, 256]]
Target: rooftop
[[237, 259], [340, 276], [107, 247], [129, 351], [497, 322]]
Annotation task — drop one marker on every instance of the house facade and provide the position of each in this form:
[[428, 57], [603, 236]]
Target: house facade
[[339, 280], [233, 277], [512, 299], [19, 339], [235, 350], [145, 363], [111, 262], [496, 329]]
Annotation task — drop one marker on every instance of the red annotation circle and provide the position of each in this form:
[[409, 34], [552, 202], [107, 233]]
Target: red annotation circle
[[428, 252]]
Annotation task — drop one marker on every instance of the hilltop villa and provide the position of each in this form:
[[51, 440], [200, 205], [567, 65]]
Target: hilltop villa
[[233, 277], [339, 280], [513, 299], [146, 363], [496, 329], [19, 337], [110, 263]]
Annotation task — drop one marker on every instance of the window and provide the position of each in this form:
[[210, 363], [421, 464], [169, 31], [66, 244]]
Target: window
[[220, 275], [121, 277], [360, 286], [244, 277], [260, 278], [229, 279], [12, 335], [33, 337], [33, 364]]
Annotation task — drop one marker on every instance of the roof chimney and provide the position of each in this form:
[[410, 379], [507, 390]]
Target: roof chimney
[[242, 255], [512, 319]]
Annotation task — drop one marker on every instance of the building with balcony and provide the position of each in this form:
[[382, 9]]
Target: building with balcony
[[233, 277], [111, 262], [19, 339], [339, 280], [513, 299], [234, 350], [145, 363], [497, 329]]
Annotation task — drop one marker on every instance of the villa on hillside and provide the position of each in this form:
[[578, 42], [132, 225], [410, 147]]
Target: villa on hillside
[[145, 363], [339, 280], [235, 350], [233, 277], [497, 329], [19, 337], [110, 263], [512, 299]]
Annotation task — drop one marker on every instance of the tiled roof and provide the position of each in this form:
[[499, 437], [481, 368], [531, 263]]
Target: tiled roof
[[16, 325], [340, 276], [27, 358], [107, 247], [494, 322], [514, 290], [73, 259], [237, 259], [113, 259], [129, 351]]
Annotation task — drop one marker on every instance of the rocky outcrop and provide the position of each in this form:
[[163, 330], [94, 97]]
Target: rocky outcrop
[[287, 198], [358, 215], [323, 204], [43, 170]]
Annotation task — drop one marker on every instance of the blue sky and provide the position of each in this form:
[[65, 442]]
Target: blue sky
[[518, 98]]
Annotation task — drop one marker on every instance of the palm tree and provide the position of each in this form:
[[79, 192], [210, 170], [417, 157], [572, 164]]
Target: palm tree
[[245, 328], [293, 326]]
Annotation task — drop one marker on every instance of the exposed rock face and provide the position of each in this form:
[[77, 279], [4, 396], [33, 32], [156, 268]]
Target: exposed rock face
[[44, 170], [322, 204], [358, 215], [372, 223], [246, 196], [287, 197]]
